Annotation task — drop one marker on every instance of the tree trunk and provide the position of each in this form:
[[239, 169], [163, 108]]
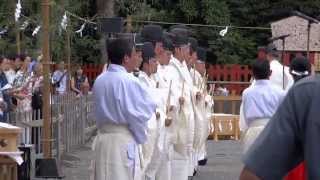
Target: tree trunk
[[105, 9]]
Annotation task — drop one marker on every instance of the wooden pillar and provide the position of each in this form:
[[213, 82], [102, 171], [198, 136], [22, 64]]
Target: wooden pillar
[[46, 74], [68, 42], [18, 39], [129, 24]]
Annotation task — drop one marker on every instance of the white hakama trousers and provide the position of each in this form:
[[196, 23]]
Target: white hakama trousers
[[252, 133], [116, 154], [180, 166], [160, 169]]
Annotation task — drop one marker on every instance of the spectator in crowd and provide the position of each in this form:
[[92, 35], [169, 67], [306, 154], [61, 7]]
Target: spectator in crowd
[[78, 80], [19, 61], [22, 86], [85, 88], [59, 79], [221, 91], [8, 69], [31, 65], [3, 84], [37, 85]]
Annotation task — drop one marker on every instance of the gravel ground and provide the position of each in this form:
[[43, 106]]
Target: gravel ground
[[224, 162]]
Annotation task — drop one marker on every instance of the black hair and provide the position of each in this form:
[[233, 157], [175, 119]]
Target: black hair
[[119, 48], [261, 69], [300, 68], [300, 64], [22, 57]]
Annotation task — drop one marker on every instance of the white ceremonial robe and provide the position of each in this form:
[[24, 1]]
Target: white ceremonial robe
[[202, 116], [147, 148], [162, 77], [202, 154], [182, 165], [199, 114], [197, 79], [276, 77], [157, 164]]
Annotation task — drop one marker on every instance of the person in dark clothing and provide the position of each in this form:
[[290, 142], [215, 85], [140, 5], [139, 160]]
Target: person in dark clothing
[[5, 97], [78, 80], [291, 136]]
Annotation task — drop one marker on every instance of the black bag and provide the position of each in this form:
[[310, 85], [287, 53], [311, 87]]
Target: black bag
[[36, 101], [57, 84]]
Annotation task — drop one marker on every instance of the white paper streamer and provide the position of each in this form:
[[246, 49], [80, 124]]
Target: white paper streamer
[[81, 29], [18, 11], [230, 125], [3, 31], [224, 31], [220, 127], [24, 25], [36, 30], [64, 22]]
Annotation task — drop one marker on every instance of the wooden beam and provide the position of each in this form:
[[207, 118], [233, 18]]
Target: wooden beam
[[47, 83]]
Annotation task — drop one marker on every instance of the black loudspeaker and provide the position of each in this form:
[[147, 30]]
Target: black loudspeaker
[[111, 25], [47, 168]]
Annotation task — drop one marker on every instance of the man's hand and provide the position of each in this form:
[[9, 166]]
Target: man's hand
[[171, 108], [181, 101], [168, 121], [157, 115], [248, 175], [198, 96]]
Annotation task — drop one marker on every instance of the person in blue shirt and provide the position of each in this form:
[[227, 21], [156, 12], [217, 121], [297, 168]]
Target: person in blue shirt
[[123, 108], [260, 101]]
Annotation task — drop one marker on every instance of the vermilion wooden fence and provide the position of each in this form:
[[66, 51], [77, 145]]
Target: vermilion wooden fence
[[92, 71], [231, 73]]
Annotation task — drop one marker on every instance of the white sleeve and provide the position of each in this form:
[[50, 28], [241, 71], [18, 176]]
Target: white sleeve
[[289, 79], [242, 122]]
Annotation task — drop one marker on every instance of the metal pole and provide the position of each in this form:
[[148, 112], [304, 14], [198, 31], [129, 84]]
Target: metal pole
[[283, 49], [46, 74]]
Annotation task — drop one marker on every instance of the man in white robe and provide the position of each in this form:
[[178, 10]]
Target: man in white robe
[[260, 102], [182, 94], [159, 166], [123, 108], [280, 76], [146, 69], [161, 76], [198, 94], [205, 102]]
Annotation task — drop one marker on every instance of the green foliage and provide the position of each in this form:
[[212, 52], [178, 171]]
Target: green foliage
[[84, 49], [215, 12], [189, 9]]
